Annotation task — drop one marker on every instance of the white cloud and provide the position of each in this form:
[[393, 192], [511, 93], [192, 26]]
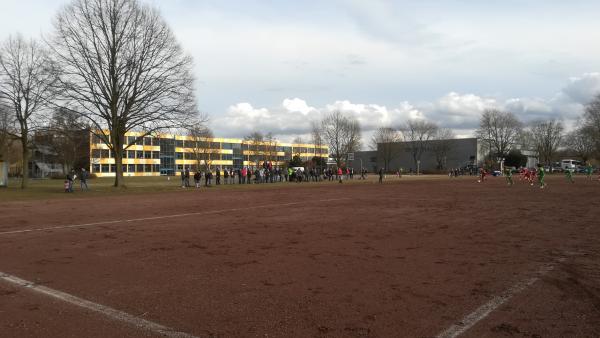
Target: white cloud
[[460, 112]]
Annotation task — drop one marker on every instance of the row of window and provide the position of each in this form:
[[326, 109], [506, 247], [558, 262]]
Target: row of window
[[127, 168], [152, 141], [105, 153]]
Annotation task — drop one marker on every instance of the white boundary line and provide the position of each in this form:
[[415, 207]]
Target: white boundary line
[[163, 217], [99, 308], [484, 310]]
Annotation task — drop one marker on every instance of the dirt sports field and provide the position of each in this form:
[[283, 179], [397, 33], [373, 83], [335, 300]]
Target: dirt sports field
[[415, 258]]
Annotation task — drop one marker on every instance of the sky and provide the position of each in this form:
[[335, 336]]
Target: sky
[[275, 66]]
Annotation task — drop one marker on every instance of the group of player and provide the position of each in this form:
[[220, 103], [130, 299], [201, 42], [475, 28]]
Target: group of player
[[530, 175]]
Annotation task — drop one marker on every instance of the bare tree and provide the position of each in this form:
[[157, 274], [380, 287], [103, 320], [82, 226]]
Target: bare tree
[[342, 133], [591, 120], [270, 147], [5, 135], [581, 142], [123, 70], [68, 134], [417, 133], [255, 142], [200, 135], [386, 141], [546, 137], [26, 79], [441, 146], [499, 131], [316, 134]]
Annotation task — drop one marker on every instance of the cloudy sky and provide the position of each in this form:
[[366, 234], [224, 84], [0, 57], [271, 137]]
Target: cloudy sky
[[277, 65]]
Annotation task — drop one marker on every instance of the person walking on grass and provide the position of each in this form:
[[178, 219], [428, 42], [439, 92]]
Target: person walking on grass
[[83, 179], [218, 174], [182, 174], [508, 175], [540, 174], [340, 174]]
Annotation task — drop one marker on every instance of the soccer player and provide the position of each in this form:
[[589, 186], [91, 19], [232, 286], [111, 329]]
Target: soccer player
[[589, 170], [482, 174], [540, 174], [508, 175], [569, 175]]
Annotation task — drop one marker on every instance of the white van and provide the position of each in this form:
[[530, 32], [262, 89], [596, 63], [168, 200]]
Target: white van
[[569, 164]]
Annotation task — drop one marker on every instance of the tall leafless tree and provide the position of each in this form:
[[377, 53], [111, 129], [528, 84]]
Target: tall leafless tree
[[441, 145], [417, 134], [316, 134], [591, 120], [270, 147], [5, 136], [200, 136], [385, 141], [255, 142], [26, 79], [342, 133], [499, 132], [67, 134], [546, 137], [581, 142], [123, 70]]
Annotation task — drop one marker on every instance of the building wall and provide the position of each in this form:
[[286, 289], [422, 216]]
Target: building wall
[[169, 154], [461, 152]]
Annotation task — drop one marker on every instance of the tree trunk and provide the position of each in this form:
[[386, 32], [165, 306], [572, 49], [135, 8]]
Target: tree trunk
[[117, 141], [25, 161]]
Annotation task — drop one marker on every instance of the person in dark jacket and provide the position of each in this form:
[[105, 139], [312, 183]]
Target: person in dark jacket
[[197, 178], [218, 174]]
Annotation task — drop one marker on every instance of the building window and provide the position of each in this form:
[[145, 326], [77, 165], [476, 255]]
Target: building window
[[104, 153], [130, 153], [156, 154], [227, 157], [148, 155], [130, 140], [95, 168], [131, 168], [179, 156], [95, 153], [104, 168], [148, 168], [179, 143], [156, 168], [113, 168], [227, 146], [147, 141], [139, 154], [139, 168]]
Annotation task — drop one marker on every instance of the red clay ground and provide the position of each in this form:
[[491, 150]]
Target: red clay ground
[[408, 258]]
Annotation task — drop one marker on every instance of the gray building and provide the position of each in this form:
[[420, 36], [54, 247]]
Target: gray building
[[454, 153]]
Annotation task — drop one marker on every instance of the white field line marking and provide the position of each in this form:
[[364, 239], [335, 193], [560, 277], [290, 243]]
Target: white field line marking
[[483, 311], [99, 308], [162, 217]]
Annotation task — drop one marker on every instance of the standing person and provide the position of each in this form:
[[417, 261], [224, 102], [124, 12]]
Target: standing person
[[206, 178], [481, 175], [244, 175], [249, 176], [508, 175], [218, 174], [340, 174], [187, 177], [380, 175], [540, 174], [589, 170], [197, 178], [83, 179], [182, 174], [569, 175], [225, 175], [239, 175]]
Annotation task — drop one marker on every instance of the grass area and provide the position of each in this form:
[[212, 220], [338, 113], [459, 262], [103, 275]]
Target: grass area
[[103, 187]]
